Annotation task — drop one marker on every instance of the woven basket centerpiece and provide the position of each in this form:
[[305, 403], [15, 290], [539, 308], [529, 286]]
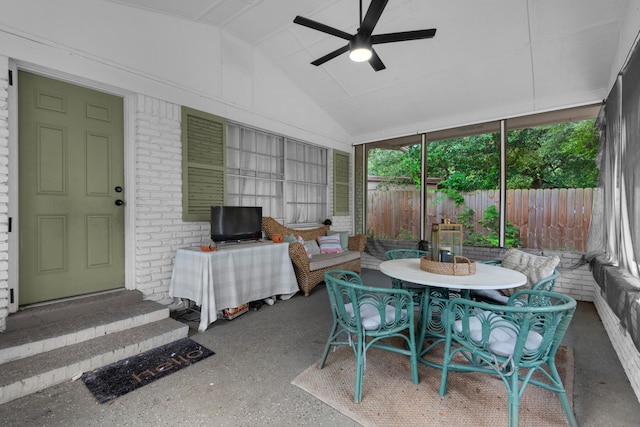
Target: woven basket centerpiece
[[461, 266]]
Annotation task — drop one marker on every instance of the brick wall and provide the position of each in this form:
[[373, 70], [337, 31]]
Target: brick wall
[[159, 229], [621, 341], [4, 192], [341, 223]]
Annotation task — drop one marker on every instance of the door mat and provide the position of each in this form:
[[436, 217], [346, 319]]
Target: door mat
[[119, 378]]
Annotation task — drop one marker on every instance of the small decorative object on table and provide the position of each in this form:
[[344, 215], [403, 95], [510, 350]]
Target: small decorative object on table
[[446, 241], [277, 238], [460, 266], [208, 246]]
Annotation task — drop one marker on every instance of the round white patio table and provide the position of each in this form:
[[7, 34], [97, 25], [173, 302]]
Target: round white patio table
[[438, 292], [487, 276]]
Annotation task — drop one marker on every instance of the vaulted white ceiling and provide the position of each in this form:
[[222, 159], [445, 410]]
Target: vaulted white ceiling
[[490, 59]]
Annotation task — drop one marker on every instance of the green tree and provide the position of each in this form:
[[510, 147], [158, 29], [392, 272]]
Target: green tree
[[555, 156], [466, 164], [490, 223], [398, 167]]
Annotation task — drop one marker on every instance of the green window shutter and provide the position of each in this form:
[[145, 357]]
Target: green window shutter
[[204, 177], [340, 183]]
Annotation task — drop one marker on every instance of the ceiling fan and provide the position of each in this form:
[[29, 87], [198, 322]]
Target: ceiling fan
[[360, 46]]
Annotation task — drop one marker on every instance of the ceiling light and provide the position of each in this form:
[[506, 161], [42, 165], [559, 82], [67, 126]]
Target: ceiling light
[[360, 54], [360, 48]]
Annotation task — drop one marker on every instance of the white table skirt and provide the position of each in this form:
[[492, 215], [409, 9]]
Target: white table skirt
[[231, 276]]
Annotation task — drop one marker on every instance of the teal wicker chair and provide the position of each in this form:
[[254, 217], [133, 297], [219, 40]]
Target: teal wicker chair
[[513, 341], [416, 290], [496, 296], [368, 317]]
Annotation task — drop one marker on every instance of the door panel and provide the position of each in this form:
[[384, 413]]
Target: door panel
[[70, 161], [52, 243]]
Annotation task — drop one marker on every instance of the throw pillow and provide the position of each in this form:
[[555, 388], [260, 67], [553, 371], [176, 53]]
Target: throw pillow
[[313, 247], [290, 238], [302, 242], [330, 244], [344, 238], [535, 267]]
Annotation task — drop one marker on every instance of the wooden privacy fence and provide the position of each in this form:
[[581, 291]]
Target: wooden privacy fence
[[548, 219]]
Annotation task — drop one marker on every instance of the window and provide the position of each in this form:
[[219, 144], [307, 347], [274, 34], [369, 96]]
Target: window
[[463, 178], [255, 169], [306, 183], [288, 178], [551, 177], [529, 186]]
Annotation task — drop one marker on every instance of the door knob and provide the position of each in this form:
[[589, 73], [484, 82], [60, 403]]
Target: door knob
[[119, 202]]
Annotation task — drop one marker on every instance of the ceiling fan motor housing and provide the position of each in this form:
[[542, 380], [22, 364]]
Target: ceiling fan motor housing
[[360, 48]]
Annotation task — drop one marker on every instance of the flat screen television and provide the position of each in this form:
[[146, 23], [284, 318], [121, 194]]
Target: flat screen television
[[236, 223]]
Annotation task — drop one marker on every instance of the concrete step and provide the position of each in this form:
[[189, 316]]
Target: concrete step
[[37, 372], [42, 329]]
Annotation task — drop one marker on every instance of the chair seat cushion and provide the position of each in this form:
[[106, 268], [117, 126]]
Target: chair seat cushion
[[321, 261], [503, 335], [491, 295], [371, 317]]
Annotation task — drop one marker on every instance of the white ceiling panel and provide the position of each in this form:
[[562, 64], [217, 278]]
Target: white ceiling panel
[[281, 45], [489, 58], [192, 9], [552, 18], [220, 11], [580, 61], [323, 91]]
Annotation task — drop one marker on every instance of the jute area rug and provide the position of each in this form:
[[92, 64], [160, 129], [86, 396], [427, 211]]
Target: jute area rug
[[391, 398]]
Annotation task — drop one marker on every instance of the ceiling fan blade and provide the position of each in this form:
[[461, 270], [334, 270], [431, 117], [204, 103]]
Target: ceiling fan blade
[[322, 27], [376, 62], [371, 18], [331, 55], [403, 36]]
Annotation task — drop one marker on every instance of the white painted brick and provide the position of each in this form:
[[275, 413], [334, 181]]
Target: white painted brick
[[622, 343]]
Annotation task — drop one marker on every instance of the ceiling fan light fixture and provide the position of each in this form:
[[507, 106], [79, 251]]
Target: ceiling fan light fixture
[[360, 49], [360, 54]]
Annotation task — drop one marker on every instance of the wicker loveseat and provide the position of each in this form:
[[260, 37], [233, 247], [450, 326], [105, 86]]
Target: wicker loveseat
[[310, 272]]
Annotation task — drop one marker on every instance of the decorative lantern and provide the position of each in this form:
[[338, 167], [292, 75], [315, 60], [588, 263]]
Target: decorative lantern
[[446, 241]]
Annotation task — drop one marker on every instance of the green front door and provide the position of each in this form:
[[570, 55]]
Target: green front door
[[70, 176]]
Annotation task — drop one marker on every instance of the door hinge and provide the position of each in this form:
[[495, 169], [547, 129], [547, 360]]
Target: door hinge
[[11, 301], [10, 78], [9, 225]]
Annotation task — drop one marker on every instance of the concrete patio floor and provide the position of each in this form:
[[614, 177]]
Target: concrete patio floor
[[248, 381]]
